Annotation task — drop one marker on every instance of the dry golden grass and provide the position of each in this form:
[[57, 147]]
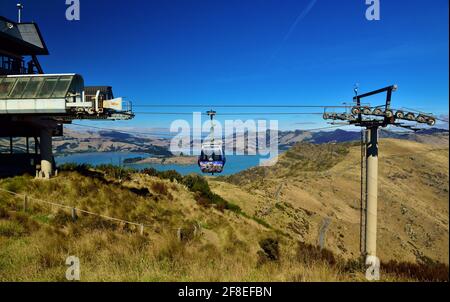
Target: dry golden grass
[[218, 244]]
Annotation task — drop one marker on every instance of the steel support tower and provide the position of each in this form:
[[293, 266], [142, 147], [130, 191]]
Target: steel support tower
[[372, 119]]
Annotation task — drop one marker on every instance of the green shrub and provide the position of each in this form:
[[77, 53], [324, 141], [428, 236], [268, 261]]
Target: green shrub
[[279, 206], [170, 174], [261, 222], [150, 171], [233, 207], [270, 250], [205, 196], [74, 167]]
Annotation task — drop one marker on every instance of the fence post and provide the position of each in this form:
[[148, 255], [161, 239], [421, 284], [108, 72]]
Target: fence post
[[195, 230], [25, 203], [179, 234], [74, 214], [141, 229]]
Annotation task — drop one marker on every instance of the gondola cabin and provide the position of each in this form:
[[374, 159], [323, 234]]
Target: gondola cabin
[[212, 158]]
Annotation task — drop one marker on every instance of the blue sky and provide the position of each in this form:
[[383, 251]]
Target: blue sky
[[249, 52]]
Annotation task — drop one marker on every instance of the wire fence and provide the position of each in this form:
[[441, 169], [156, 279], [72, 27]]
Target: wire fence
[[197, 228], [74, 210]]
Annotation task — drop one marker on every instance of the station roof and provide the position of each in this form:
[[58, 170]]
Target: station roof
[[92, 90], [48, 86], [21, 38]]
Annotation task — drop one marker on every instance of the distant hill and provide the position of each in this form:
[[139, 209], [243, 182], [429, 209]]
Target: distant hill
[[76, 141], [337, 136], [340, 136], [106, 141], [287, 139]]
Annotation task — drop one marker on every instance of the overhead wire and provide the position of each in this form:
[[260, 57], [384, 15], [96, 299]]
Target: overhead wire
[[232, 113], [162, 134], [171, 135], [235, 106]]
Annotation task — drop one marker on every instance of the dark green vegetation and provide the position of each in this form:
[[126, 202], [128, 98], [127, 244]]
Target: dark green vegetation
[[132, 160]]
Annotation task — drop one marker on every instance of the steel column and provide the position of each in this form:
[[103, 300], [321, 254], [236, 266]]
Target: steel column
[[372, 191]]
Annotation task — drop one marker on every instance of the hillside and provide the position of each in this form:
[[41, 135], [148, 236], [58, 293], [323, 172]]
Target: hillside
[[313, 194], [35, 244], [264, 224]]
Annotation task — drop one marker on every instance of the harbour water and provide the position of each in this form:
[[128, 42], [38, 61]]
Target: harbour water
[[234, 163]]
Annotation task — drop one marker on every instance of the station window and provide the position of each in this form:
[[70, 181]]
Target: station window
[[43, 87], [61, 87], [19, 88], [32, 88], [5, 86], [47, 88]]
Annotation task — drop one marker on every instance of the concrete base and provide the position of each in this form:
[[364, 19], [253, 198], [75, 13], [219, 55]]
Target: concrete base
[[45, 146]]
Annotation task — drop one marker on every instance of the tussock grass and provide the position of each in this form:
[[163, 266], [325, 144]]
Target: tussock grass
[[229, 246], [437, 272], [11, 228]]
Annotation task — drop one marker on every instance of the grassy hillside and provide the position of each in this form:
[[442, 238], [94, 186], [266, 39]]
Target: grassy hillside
[[210, 230], [314, 191], [35, 244]]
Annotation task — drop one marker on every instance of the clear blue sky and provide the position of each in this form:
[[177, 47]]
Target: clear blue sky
[[249, 51]]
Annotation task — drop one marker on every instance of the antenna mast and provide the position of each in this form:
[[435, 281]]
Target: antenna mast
[[19, 12]]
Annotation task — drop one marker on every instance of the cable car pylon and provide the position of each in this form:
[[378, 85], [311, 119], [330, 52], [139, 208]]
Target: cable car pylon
[[372, 119]]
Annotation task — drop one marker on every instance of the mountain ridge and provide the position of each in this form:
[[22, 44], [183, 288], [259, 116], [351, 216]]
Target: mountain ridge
[[121, 141]]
